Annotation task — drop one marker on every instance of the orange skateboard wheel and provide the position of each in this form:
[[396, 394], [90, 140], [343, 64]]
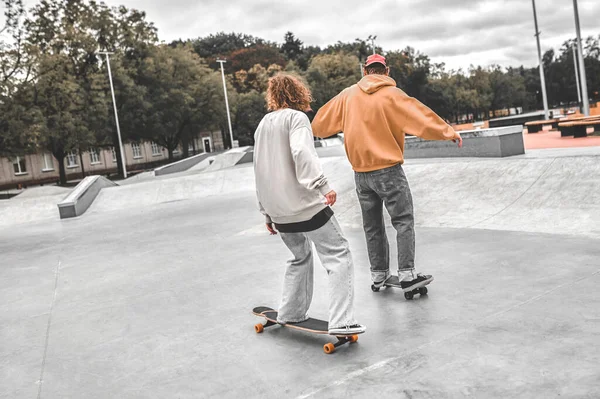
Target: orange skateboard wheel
[[353, 339], [329, 348], [259, 328]]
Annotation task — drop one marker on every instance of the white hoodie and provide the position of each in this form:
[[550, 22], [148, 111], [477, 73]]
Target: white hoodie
[[290, 184]]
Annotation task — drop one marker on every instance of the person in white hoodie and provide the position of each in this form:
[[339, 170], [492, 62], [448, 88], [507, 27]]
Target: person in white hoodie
[[295, 197]]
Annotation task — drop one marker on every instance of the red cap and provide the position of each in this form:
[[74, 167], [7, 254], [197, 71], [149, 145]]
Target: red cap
[[375, 58]]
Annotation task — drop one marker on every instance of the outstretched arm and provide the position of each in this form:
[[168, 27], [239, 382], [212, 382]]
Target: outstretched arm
[[329, 119], [419, 120]]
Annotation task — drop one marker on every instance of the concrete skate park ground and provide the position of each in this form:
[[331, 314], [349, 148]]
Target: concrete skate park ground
[[148, 295]]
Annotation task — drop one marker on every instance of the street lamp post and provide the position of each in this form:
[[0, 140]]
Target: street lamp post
[[112, 91], [360, 65], [373, 43], [226, 100], [584, 92], [542, 78], [576, 75]]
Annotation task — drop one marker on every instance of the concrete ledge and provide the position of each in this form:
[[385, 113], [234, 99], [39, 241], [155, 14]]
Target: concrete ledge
[[498, 142], [181, 165], [82, 196], [247, 158]]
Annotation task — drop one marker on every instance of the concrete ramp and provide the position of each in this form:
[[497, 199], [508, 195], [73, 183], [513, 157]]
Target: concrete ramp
[[548, 193], [42, 191], [223, 161], [181, 165], [230, 158], [79, 200], [34, 204], [545, 195], [140, 177], [237, 181], [563, 199], [202, 166], [186, 187]]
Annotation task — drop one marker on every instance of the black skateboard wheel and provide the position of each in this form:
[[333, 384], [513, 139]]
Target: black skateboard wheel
[[374, 289], [409, 295], [423, 290]]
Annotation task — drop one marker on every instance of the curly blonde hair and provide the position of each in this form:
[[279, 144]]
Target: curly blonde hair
[[287, 91]]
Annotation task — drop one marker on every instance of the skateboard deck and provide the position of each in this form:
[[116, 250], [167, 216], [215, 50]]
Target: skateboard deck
[[311, 325], [409, 293]]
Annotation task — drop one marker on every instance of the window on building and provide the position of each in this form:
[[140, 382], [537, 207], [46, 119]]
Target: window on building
[[48, 163], [191, 147], [114, 154], [155, 149], [20, 166], [137, 150], [72, 160], [94, 156]]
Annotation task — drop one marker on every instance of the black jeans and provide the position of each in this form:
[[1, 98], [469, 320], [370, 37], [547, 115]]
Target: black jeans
[[390, 187]]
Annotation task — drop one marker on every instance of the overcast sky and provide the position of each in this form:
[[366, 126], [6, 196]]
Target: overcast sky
[[457, 32]]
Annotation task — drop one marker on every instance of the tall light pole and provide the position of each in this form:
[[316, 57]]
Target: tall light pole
[[373, 42], [584, 92], [576, 75], [226, 100], [112, 91], [542, 78], [360, 65]]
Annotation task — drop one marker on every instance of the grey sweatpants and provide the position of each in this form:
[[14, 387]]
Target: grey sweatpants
[[390, 187], [334, 253]]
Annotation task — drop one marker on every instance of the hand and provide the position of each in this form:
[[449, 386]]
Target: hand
[[331, 198], [459, 140], [272, 231]]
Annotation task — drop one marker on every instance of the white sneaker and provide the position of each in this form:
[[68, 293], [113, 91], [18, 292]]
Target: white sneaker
[[348, 330]]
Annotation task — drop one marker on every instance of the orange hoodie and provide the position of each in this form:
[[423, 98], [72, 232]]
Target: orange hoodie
[[374, 115]]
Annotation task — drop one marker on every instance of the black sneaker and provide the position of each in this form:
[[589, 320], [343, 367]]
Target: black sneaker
[[379, 284], [421, 281]]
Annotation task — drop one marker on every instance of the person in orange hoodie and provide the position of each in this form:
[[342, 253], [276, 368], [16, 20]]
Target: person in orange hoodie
[[374, 115]]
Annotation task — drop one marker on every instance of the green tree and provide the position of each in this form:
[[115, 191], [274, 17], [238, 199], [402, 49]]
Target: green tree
[[478, 99], [507, 89], [176, 84], [64, 109], [411, 70], [359, 48], [222, 44], [308, 53], [77, 30], [257, 78], [329, 74], [250, 108], [17, 135], [291, 47], [211, 112], [441, 96], [246, 58]]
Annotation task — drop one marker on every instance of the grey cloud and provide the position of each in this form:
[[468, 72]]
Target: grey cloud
[[455, 31]]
